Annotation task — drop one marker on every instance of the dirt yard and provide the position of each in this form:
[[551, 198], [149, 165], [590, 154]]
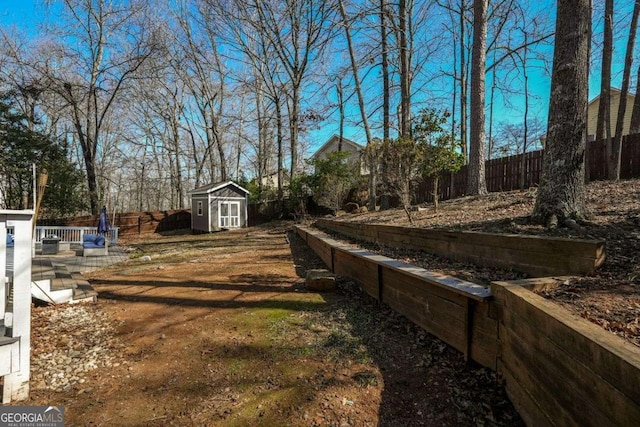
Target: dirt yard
[[610, 298], [218, 330]]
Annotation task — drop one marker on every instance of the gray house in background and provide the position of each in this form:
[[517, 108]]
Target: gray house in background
[[219, 206]]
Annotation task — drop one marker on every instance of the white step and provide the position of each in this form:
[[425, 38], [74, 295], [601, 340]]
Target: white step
[[41, 289]]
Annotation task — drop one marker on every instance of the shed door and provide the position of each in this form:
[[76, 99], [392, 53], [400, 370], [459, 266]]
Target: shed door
[[229, 214]]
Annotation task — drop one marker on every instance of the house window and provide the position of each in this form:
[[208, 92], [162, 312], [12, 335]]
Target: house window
[[229, 214], [200, 213]]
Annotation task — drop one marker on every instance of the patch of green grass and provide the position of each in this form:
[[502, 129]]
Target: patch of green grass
[[136, 254], [274, 315], [345, 339], [291, 352], [197, 387], [236, 366], [343, 343], [366, 379], [260, 407]]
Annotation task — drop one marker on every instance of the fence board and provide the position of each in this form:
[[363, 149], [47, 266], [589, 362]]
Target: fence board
[[132, 222], [503, 174]]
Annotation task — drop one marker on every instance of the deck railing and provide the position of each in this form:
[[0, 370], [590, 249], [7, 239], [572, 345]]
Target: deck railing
[[15, 303], [72, 234]]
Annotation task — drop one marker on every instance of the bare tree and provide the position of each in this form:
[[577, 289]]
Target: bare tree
[[361, 101], [242, 23], [297, 30], [464, 82], [159, 104], [634, 127], [404, 51], [200, 66], [604, 108], [561, 197], [111, 44], [477, 184], [402, 158], [384, 47], [614, 151]]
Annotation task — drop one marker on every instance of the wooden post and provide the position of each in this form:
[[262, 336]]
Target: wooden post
[[468, 326], [42, 185], [380, 283], [333, 263]]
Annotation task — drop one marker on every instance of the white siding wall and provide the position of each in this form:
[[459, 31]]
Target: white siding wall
[[615, 102]]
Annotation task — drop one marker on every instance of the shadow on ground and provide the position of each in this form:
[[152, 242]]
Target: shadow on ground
[[260, 347], [425, 381]]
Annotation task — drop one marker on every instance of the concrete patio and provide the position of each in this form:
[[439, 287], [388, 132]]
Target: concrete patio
[[59, 278], [75, 262]]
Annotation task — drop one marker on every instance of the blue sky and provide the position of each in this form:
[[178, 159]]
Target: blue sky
[[21, 13], [29, 14], [510, 108]]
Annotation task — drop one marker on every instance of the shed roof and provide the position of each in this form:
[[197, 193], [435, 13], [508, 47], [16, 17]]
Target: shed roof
[[208, 189]]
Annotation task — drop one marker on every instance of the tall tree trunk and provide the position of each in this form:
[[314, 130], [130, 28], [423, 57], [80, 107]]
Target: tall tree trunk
[[491, 104], [261, 133], [436, 182], [341, 110], [615, 157], [525, 137], [221, 155], [463, 85], [477, 183], [239, 143], [142, 186], [386, 103], [386, 97], [635, 114], [361, 103], [453, 115], [279, 142], [293, 128], [88, 146], [561, 194], [604, 107], [405, 69], [177, 166], [587, 143]]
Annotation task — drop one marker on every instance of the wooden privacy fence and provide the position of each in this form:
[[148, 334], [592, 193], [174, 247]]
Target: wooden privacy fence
[[559, 369], [133, 222], [503, 174]]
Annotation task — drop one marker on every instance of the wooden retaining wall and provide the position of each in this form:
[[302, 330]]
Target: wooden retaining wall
[[538, 256], [454, 310], [559, 369]]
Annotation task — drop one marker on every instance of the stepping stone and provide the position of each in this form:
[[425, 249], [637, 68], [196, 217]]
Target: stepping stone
[[320, 280]]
